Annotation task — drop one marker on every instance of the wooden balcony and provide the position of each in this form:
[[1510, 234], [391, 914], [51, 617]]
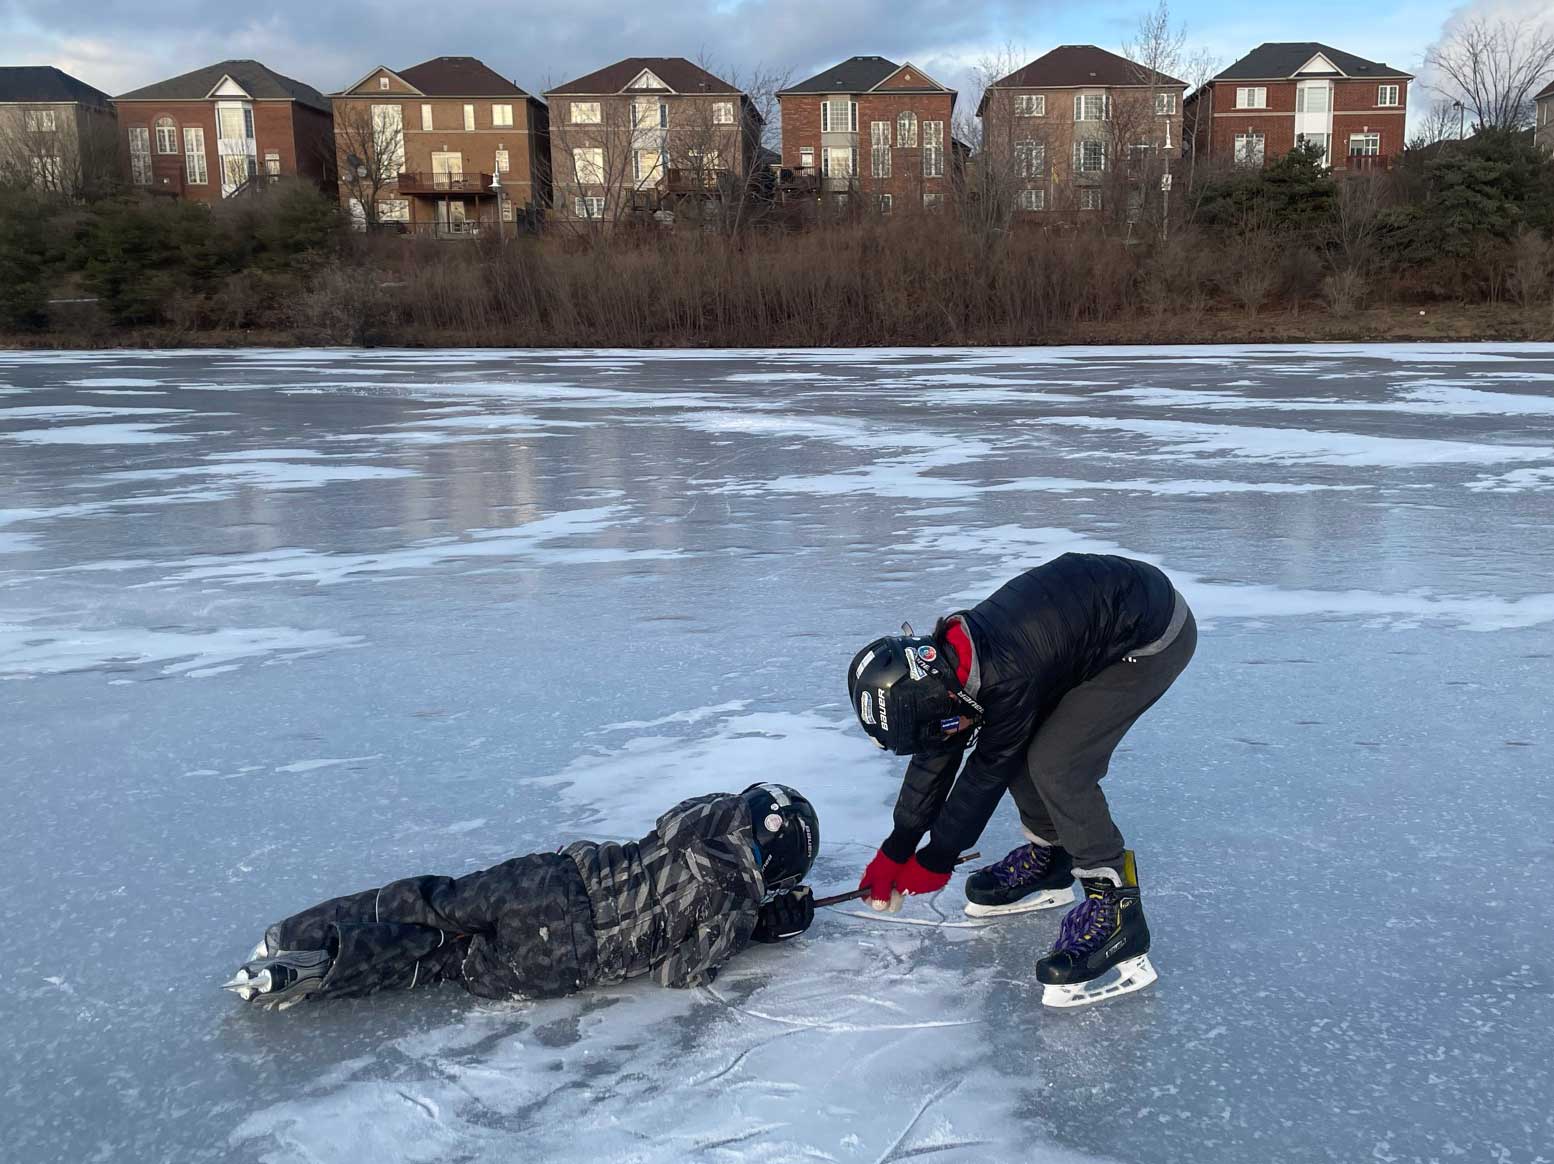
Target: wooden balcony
[[1362, 162], [693, 181], [421, 182]]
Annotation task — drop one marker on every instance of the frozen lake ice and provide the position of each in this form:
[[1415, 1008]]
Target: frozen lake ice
[[275, 625]]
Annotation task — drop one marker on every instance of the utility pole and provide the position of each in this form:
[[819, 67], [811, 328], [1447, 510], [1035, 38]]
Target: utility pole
[[496, 188]]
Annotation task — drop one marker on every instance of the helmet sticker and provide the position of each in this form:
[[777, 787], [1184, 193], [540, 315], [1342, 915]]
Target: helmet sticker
[[862, 663], [884, 714], [866, 708], [914, 667], [927, 654], [949, 725], [772, 823]]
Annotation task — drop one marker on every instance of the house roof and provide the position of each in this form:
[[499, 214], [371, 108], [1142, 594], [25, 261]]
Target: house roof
[[1280, 60], [1078, 66], [1546, 91], [458, 77], [257, 80], [46, 84], [854, 75], [679, 74]]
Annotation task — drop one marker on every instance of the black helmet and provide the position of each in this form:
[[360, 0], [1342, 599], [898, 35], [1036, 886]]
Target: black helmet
[[905, 694], [787, 832]]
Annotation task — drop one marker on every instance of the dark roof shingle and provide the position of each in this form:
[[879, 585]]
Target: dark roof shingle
[[259, 81], [678, 73], [1277, 60], [47, 85], [1075, 66], [459, 77], [854, 75]]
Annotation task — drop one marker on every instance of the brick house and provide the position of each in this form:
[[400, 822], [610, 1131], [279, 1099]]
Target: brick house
[[1280, 94], [421, 149], [1079, 129], [872, 128], [650, 136], [56, 132], [209, 134], [1543, 119]]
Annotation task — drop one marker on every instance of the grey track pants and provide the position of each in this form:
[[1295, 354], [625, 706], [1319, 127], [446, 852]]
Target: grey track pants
[[1059, 796]]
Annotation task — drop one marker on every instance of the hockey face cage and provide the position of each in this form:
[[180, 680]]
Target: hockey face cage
[[787, 833], [906, 695]]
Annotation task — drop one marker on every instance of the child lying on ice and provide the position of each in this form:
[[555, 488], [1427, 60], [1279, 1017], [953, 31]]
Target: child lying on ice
[[716, 873]]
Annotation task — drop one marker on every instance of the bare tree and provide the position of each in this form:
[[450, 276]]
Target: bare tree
[[369, 154], [67, 150], [1494, 66], [1009, 150], [1146, 127], [1441, 122]]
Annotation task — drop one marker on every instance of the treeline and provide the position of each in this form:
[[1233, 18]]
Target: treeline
[[1472, 225]]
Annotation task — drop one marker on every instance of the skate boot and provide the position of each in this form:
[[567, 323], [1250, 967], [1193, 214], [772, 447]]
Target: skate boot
[[1103, 947], [280, 979], [1030, 877]]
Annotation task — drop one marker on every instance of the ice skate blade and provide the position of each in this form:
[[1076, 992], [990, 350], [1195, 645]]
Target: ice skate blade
[[1046, 899], [1123, 978]]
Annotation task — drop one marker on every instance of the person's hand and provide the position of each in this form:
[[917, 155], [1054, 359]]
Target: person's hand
[[785, 916], [913, 878], [880, 880]]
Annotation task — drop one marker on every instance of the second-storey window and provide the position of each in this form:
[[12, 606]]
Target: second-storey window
[[1030, 159], [1030, 105], [1090, 107], [588, 165], [140, 155], [585, 113], [1387, 94], [1165, 103], [1311, 99], [40, 121], [722, 113], [426, 118], [469, 118], [1089, 156], [1252, 97], [933, 149], [166, 136], [503, 165], [879, 149], [502, 116], [906, 130], [839, 162], [839, 115], [194, 171]]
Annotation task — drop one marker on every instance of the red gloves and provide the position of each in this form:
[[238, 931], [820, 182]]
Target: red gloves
[[880, 878], [887, 880], [913, 878]]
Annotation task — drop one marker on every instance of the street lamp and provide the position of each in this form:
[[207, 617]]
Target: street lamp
[[496, 188], [1462, 116]]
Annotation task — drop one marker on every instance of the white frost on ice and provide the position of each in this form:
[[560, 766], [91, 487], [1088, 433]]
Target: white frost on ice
[[28, 651], [96, 434], [1516, 481], [263, 474], [302, 766]]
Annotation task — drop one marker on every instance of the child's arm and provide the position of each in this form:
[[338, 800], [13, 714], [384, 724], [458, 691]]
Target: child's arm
[[696, 961]]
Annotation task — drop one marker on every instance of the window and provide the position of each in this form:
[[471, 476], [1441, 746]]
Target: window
[[272, 163], [1089, 156], [140, 155], [502, 116], [839, 161], [1089, 198], [649, 114], [1320, 140], [1252, 98], [1138, 155], [388, 137], [394, 210], [166, 136], [48, 171], [839, 115], [933, 201], [647, 166], [722, 113], [704, 161], [886, 202], [1030, 159], [588, 207], [1165, 104], [879, 149], [933, 149], [1311, 99], [1388, 95], [1033, 200], [1249, 149], [503, 165], [194, 170], [1090, 107], [807, 159], [588, 166], [585, 113], [1030, 105], [426, 119], [906, 131], [40, 121], [469, 118], [1364, 145], [382, 82]]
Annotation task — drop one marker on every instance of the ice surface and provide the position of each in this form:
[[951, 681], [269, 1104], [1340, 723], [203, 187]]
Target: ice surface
[[395, 612]]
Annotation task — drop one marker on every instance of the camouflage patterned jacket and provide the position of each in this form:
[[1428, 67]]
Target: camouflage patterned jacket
[[681, 901]]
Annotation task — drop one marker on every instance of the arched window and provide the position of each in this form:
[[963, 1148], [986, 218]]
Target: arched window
[[166, 136], [906, 131]]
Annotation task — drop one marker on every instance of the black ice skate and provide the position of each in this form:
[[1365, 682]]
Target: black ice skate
[[1030, 877], [280, 979], [1103, 947]]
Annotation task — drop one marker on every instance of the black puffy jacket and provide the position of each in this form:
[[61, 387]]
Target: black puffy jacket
[[1035, 638]]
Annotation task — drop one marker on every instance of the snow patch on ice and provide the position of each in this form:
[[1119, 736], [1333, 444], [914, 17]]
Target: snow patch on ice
[[1516, 481], [29, 651], [301, 766], [96, 434]]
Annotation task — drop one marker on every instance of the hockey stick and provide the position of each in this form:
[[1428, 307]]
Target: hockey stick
[[839, 898]]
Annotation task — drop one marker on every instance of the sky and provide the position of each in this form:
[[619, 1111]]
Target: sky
[[330, 44]]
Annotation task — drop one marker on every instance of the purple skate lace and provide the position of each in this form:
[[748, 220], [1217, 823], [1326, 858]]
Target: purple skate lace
[[1084, 927], [1026, 863]]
